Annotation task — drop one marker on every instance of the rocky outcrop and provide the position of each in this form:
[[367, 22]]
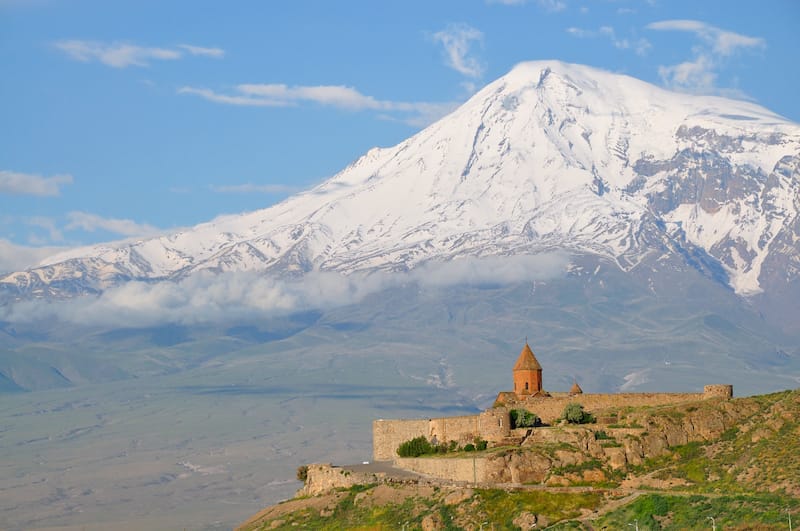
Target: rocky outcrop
[[565, 455]]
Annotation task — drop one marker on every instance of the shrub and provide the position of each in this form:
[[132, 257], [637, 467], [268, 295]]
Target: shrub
[[480, 444], [469, 447], [302, 473], [415, 447], [574, 414], [522, 418]]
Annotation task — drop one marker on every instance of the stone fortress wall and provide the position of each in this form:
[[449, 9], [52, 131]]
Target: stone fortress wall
[[494, 424], [550, 408]]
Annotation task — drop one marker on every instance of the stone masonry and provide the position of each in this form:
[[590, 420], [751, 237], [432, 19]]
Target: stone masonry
[[494, 425]]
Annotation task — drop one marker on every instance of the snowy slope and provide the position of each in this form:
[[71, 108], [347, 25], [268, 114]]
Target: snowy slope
[[551, 155]]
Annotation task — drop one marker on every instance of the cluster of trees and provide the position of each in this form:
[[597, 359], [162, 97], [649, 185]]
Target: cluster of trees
[[421, 446], [573, 414]]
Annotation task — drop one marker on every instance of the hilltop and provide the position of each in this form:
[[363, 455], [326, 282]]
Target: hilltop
[[736, 461]]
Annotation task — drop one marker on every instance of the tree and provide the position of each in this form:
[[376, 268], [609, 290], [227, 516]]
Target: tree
[[415, 447], [302, 473], [574, 414], [522, 418]]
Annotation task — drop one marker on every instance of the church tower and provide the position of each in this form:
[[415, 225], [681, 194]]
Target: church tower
[[527, 373]]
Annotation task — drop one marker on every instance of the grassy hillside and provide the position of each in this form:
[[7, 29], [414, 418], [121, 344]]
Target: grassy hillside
[[747, 478]]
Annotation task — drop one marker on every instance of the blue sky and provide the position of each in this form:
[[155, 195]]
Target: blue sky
[[127, 118]]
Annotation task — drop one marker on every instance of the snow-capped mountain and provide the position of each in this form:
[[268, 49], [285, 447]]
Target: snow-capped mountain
[[549, 156]]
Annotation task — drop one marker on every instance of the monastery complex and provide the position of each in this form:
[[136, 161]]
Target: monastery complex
[[494, 424]]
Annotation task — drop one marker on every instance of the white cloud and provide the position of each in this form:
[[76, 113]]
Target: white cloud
[[217, 53], [552, 5], [249, 188], [640, 46], [16, 183], [336, 96], [224, 297], [122, 55], [697, 75], [490, 270], [15, 257], [457, 40], [333, 95], [228, 99], [548, 5], [700, 74], [581, 33], [722, 42], [92, 222]]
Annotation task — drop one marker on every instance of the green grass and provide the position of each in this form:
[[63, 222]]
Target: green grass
[[757, 455], [591, 464], [347, 515], [493, 506], [667, 512], [502, 507]]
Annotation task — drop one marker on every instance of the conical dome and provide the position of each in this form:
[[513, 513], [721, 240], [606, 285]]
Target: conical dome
[[576, 389], [527, 361]]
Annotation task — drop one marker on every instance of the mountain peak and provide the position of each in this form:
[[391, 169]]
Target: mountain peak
[[550, 156]]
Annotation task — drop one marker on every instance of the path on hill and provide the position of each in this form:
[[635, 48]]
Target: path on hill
[[607, 508]]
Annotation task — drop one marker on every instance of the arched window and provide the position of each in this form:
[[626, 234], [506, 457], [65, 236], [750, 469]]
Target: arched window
[[526, 386]]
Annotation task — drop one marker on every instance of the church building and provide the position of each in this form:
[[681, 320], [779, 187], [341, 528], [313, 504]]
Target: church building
[[527, 374]]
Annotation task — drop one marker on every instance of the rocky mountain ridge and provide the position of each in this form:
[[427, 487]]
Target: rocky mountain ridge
[[549, 156]]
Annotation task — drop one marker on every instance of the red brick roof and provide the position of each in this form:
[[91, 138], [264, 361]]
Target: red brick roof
[[527, 361]]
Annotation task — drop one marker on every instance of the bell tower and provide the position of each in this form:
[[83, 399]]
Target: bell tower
[[527, 373]]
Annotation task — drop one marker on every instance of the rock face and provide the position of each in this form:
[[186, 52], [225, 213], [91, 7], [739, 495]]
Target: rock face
[[550, 156], [323, 477]]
